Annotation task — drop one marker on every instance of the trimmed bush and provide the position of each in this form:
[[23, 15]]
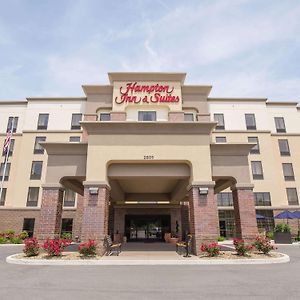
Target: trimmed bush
[[23, 235], [221, 239], [212, 249], [87, 249], [55, 247], [3, 240], [16, 240], [66, 236], [241, 248], [32, 247], [263, 245]]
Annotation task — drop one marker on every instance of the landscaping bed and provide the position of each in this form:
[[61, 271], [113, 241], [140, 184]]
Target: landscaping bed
[[63, 256], [233, 255]]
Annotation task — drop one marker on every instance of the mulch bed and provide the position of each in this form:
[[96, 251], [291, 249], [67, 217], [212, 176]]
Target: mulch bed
[[64, 256], [233, 255]]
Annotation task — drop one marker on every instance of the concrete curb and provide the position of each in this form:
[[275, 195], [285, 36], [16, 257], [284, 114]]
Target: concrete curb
[[135, 262], [6, 245]]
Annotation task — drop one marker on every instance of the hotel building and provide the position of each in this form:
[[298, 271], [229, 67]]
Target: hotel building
[[147, 154]]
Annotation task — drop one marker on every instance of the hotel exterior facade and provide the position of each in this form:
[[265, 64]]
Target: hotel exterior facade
[[145, 155]]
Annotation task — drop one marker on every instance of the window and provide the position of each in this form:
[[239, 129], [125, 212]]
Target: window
[[28, 225], [43, 121], [104, 117], [36, 170], [225, 199], [147, 116], [262, 199], [74, 139], [250, 121], [66, 225], [220, 139], [288, 172], [279, 124], [69, 198], [6, 176], [33, 196], [189, 117], [76, 118], [257, 171], [292, 196], [12, 123], [219, 118], [38, 149], [266, 224], [3, 196], [254, 140], [11, 148], [284, 147]]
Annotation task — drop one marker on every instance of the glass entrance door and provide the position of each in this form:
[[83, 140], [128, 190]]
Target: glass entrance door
[[146, 228]]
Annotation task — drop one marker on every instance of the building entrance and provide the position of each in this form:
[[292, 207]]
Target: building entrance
[[148, 228]]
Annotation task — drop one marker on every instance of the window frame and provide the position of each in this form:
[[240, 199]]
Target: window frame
[[218, 139], [219, 127], [186, 114], [147, 111], [15, 127], [30, 232], [104, 114], [7, 171], [288, 177], [43, 127], [250, 127], [257, 176], [280, 130], [284, 153], [296, 194], [3, 196], [69, 203], [78, 139], [11, 148], [39, 150], [253, 150], [263, 202], [34, 176], [31, 188], [74, 125]]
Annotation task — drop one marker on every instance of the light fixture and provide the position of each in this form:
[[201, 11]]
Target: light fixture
[[203, 190]]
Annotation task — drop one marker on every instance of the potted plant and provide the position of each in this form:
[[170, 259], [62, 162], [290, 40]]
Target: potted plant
[[282, 234]]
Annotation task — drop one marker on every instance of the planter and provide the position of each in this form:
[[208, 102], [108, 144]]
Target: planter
[[117, 238], [173, 240], [167, 237], [282, 237]]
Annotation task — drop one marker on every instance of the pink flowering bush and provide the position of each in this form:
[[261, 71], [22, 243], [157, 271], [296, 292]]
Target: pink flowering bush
[[32, 247], [263, 244], [87, 249], [55, 247], [241, 248], [212, 249]]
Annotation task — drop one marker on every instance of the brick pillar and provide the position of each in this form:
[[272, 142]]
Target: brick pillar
[[177, 116], [176, 216], [118, 116], [50, 214], [95, 215], [185, 220], [77, 223], [244, 212], [204, 220], [88, 117]]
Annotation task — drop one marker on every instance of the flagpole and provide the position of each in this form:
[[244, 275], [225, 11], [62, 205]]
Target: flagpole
[[6, 158]]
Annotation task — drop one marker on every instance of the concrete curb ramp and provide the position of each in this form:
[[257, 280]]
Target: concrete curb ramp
[[136, 262]]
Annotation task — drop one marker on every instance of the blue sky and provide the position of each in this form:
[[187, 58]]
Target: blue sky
[[247, 48]]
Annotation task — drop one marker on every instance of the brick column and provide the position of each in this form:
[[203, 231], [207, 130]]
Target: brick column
[[50, 214], [95, 215], [244, 212], [177, 116], [204, 221], [88, 117], [176, 216], [118, 116], [78, 216]]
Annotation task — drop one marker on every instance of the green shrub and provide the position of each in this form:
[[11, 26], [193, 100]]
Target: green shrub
[[16, 240], [87, 249], [221, 239], [263, 245], [286, 228], [32, 247], [270, 235], [66, 236], [282, 228], [3, 240], [23, 235]]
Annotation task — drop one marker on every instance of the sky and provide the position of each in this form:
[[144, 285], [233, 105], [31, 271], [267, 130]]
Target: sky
[[243, 48]]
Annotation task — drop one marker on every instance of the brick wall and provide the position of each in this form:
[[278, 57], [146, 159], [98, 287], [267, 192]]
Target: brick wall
[[118, 116], [176, 116]]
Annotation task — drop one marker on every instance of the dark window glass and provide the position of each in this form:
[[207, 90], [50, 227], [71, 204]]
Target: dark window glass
[[250, 121], [292, 196], [66, 225], [3, 196], [225, 199], [257, 170], [288, 172], [284, 147], [38, 149], [220, 139], [7, 171], [147, 116], [255, 149], [104, 117], [76, 118], [262, 199], [74, 139], [266, 224], [33, 196], [28, 225], [280, 125], [189, 117], [69, 198], [12, 123], [219, 118], [43, 121], [11, 148], [36, 170]]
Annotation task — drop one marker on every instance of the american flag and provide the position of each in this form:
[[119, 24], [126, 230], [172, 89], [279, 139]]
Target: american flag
[[7, 141]]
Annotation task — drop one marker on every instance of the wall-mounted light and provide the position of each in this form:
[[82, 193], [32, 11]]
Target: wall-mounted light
[[203, 190], [93, 191]]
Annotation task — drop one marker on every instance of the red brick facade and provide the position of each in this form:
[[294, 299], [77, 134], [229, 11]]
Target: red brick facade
[[176, 116]]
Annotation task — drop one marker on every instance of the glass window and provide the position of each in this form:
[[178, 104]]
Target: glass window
[[292, 196], [266, 224], [189, 117], [12, 123], [257, 170], [74, 139], [76, 118], [33, 196], [38, 149], [280, 125], [69, 198], [147, 116], [225, 199], [43, 121], [288, 172], [104, 117], [262, 199], [28, 225], [66, 226], [219, 118], [220, 139], [3, 196], [7, 171], [255, 149], [36, 170], [250, 121], [284, 147], [11, 148]]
